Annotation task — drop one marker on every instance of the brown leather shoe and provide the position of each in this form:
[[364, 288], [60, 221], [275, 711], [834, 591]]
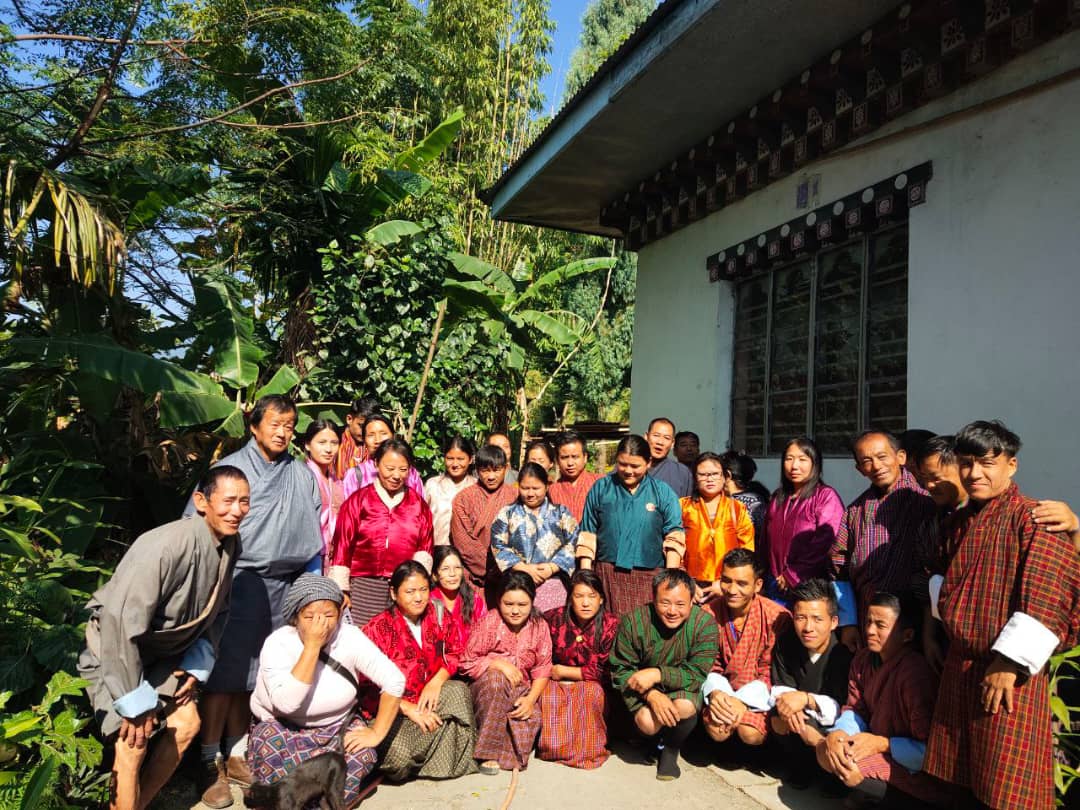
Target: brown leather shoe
[[238, 772], [215, 784]]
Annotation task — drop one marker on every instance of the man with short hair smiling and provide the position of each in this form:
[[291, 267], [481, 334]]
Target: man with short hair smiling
[[282, 538], [875, 547], [738, 688], [154, 632], [809, 678], [879, 742], [661, 654], [575, 481], [661, 438], [1009, 598]]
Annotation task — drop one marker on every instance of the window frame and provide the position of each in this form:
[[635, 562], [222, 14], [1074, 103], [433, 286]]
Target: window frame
[[863, 394]]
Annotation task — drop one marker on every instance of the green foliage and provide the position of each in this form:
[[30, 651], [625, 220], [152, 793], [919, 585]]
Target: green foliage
[[1065, 679], [604, 26]]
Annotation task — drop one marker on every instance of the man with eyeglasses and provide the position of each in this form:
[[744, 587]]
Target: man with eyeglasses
[[661, 655]]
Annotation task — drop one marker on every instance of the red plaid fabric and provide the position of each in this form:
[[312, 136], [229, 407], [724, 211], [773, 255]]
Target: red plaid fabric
[[350, 454], [572, 494], [508, 742], [574, 732], [1004, 563], [625, 589], [747, 656], [471, 516]]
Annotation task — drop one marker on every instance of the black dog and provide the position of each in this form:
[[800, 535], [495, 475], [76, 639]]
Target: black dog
[[321, 777]]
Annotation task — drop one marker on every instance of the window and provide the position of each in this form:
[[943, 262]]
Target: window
[[821, 347]]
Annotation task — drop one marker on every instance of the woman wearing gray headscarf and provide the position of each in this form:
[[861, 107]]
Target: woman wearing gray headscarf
[[307, 687]]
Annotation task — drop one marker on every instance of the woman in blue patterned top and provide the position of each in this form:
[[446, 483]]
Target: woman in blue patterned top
[[537, 537]]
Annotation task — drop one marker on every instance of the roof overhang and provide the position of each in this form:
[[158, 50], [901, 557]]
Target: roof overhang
[[691, 67]]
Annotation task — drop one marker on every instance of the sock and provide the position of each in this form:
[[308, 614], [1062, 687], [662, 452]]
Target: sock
[[237, 746], [208, 752], [672, 742]]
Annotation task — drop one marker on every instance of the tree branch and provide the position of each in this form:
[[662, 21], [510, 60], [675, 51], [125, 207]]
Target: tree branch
[[102, 94], [220, 117], [99, 40]]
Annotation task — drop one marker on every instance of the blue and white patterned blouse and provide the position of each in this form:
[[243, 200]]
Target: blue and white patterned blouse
[[548, 535]]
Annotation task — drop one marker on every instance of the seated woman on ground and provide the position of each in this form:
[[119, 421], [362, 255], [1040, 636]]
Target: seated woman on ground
[[455, 593], [307, 686], [509, 660], [536, 537], [574, 705], [433, 735]]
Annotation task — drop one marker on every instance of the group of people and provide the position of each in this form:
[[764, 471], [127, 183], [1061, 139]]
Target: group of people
[[897, 645]]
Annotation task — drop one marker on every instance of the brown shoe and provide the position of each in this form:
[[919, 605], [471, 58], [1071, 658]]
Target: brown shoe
[[238, 772], [215, 784]]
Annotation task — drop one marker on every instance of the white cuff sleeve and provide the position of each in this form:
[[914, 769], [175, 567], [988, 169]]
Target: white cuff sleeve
[[776, 692], [139, 700], [755, 695], [714, 681], [340, 575], [936, 581], [1026, 641], [826, 712]]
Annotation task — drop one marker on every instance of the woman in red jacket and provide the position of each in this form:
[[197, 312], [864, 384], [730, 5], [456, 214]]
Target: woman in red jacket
[[379, 527]]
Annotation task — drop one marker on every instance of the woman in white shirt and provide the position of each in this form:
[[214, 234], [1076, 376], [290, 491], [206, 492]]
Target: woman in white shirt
[[307, 687], [439, 491]]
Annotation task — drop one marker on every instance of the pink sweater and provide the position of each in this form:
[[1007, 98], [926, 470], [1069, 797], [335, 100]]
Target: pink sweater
[[800, 532], [325, 701]]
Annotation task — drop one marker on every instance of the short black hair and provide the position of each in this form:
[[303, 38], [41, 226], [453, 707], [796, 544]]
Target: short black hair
[[458, 442], [816, 590], [981, 438], [671, 578], [489, 457], [512, 580], [740, 466], [570, 437], [633, 445], [686, 434], [279, 403], [393, 445], [409, 568], [739, 557], [944, 447], [364, 406], [215, 475], [656, 419], [530, 469], [907, 609], [373, 418], [912, 441], [894, 442], [317, 426]]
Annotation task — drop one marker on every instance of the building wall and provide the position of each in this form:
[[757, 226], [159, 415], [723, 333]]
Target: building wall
[[994, 276]]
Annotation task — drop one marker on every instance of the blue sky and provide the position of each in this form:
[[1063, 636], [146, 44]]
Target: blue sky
[[567, 17]]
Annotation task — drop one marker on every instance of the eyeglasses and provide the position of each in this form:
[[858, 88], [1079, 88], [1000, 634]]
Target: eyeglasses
[[709, 476], [449, 569]]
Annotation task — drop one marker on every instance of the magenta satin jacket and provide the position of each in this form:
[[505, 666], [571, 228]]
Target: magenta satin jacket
[[800, 532]]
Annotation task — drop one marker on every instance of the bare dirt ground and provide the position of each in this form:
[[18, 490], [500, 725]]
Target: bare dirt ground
[[624, 782]]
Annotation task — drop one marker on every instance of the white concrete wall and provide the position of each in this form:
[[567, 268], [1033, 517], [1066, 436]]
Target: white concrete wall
[[994, 275]]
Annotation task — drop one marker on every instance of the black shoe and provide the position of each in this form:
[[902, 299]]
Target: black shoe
[[667, 767]]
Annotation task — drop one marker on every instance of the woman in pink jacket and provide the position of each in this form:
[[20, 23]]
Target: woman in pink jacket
[[803, 518]]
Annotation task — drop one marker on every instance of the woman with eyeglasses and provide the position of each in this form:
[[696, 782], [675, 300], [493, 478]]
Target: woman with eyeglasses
[[455, 593], [715, 523]]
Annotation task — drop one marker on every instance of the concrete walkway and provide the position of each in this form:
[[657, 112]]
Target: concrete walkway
[[625, 782]]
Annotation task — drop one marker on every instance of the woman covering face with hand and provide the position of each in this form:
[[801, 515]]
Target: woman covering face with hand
[[300, 703]]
